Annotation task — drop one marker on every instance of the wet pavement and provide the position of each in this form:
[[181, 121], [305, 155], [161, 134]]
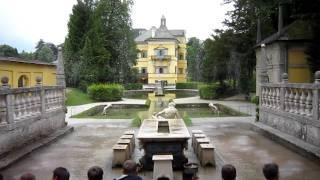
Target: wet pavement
[[90, 144]]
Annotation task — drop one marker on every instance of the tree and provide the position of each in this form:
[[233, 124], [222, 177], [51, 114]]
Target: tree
[[195, 58], [45, 54], [26, 55], [78, 27], [8, 51]]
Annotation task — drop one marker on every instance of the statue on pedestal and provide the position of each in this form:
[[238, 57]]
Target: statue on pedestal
[[168, 113]]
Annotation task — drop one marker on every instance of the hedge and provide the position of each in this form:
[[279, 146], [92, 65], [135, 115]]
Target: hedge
[[187, 85], [133, 86], [208, 91], [105, 92]]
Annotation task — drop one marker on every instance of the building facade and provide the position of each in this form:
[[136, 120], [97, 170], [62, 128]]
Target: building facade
[[161, 55], [23, 73]]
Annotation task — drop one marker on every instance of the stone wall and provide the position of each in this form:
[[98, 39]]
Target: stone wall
[[27, 114], [292, 108]]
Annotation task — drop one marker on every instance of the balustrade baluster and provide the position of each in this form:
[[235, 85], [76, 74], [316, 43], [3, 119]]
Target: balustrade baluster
[[291, 101], [269, 98], [309, 103], [296, 101], [38, 101], [278, 103], [3, 110], [263, 94], [286, 100], [302, 103], [273, 98], [17, 106]]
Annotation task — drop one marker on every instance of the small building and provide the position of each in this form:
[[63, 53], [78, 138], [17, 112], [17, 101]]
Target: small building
[[23, 73], [284, 52], [161, 55]]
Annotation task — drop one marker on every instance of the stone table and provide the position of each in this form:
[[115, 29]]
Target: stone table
[[163, 137]]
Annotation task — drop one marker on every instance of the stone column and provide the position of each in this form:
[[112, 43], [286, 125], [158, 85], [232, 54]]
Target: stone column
[[282, 90], [60, 69], [315, 100], [9, 100]]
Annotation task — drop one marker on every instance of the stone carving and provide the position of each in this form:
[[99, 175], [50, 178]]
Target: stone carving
[[168, 113], [104, 112]]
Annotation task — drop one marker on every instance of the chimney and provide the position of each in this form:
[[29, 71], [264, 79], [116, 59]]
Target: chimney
[[280, 17], [163, 21]]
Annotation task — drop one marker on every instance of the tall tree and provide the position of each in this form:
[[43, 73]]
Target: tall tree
[[45, 54], [8, 51], [195, 53], [78, 27]]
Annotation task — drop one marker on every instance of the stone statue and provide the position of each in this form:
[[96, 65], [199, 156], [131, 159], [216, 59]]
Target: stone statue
[[168, 113]]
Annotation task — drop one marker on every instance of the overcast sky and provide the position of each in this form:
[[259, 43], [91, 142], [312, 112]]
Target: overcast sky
[[24, 22]]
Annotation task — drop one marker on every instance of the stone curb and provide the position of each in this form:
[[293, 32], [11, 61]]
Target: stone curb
[[17, 154], [305, 149]]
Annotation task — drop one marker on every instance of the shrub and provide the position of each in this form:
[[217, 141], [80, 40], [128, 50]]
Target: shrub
[[148, 102], [187, 85], [133, 86], [255, 100], [187, 120], [136, 122], [105, 92], [208, 91]]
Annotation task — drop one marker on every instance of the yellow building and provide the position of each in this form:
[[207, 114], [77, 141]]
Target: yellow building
[[23, 73], [161, 55]]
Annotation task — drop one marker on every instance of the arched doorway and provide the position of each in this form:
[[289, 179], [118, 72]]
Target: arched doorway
[[23, 81]]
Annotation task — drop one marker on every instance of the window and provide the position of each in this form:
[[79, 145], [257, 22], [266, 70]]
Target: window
[[143, 70], [23, 81], [144, 54], [180, 70], [160, 70], [161, 52], [181, 57]]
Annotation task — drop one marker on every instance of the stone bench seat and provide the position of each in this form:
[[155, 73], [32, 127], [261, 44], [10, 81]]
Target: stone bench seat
[[162, 166], [120, 154], [206, 155], [132, 140], [199, 141], [194, 136]]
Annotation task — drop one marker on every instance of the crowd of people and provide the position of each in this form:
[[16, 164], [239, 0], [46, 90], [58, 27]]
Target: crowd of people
[[228, 172]]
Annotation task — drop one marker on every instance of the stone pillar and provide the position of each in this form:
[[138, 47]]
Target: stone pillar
[[60, 69], [280, 18], [258, 31], [315, 100], [9, 100], [282, 90]]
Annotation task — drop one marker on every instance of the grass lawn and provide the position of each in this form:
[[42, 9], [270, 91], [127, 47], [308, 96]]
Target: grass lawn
[[206, 112], [77, 97]]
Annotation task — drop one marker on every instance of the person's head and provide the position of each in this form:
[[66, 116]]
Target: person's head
[[95, 173], [61, 173], [228, 172], [163, 178], [27, 176], [271, 171], [129, 167]]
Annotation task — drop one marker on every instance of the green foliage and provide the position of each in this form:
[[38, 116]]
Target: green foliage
[[148, 102], [187, 85], [77, 97], [8, 51], [214, 91], [208, 91], [136, 122], [132, 86], [195, 53], [105, 92], [100, 46], [255, 100], [45, 54], [187, 120], [26, 55]]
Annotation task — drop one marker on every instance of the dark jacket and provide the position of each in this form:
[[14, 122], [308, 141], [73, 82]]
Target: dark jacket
[[128, 177]]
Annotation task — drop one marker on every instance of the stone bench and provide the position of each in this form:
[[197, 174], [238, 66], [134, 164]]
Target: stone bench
[[194, 136], [126, 142], [132, 140], [120, 154], [199, 141], [162, 166], [206, 154]]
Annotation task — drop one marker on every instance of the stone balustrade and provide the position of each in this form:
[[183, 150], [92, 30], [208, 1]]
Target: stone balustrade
[[292, 108], [294, 98], [28, 103]]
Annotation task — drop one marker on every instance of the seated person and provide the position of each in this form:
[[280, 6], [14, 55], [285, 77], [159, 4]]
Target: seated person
[[228, 172], [28, 176], [61, 173], [129, 171], [95, 173], [271, 171]]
